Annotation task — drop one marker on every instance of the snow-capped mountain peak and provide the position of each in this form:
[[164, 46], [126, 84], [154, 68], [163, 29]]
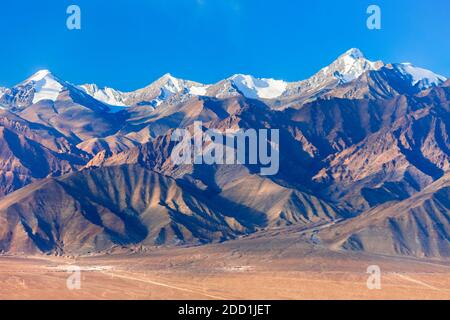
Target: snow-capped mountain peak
[[422, 78], [170, 85], [354, 53], [350, 66], [2, 91], [346, 68], [106, 95], [152, 95], [46, 86], [41, 74], [256, 88]]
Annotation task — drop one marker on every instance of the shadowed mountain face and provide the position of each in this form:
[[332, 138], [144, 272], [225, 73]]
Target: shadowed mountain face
[[418, 226], [29, 152], [75, 116], [356, 153], [98, 209], [364, 155], [408, 151]]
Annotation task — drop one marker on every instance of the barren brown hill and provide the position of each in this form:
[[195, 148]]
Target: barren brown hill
[[74, 114], [29, 152], [358, 153], [95, 210], [410, 150], [418, 226]]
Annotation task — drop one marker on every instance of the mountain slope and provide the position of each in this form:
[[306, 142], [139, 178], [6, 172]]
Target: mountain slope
[[31, 151], [351, 75], [235, 188], [161, 90], [95, 210], [409, 150], [418, 226], [107, 95], [45, 99], [357, 153]]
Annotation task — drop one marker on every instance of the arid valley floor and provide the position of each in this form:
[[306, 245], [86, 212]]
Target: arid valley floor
[[257, 267]]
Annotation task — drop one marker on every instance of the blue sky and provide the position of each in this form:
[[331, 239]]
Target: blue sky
[[128, 44]]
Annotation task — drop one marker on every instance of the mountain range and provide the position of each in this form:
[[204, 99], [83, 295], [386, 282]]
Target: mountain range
[[364, 162]]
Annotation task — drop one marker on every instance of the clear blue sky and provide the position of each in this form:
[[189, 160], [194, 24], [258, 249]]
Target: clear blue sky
[[128, 44]]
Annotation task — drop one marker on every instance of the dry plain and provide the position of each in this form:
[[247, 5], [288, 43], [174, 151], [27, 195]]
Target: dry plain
[[262, 266]]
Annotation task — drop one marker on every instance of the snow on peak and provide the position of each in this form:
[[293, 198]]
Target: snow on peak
[[41, 74], [198, 90], [255, 88], [346, 68], [2, 91], [171, 84], [167, 86], [354, 53], [351, 65], [46, 86], [421, 77], [106, 95]]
